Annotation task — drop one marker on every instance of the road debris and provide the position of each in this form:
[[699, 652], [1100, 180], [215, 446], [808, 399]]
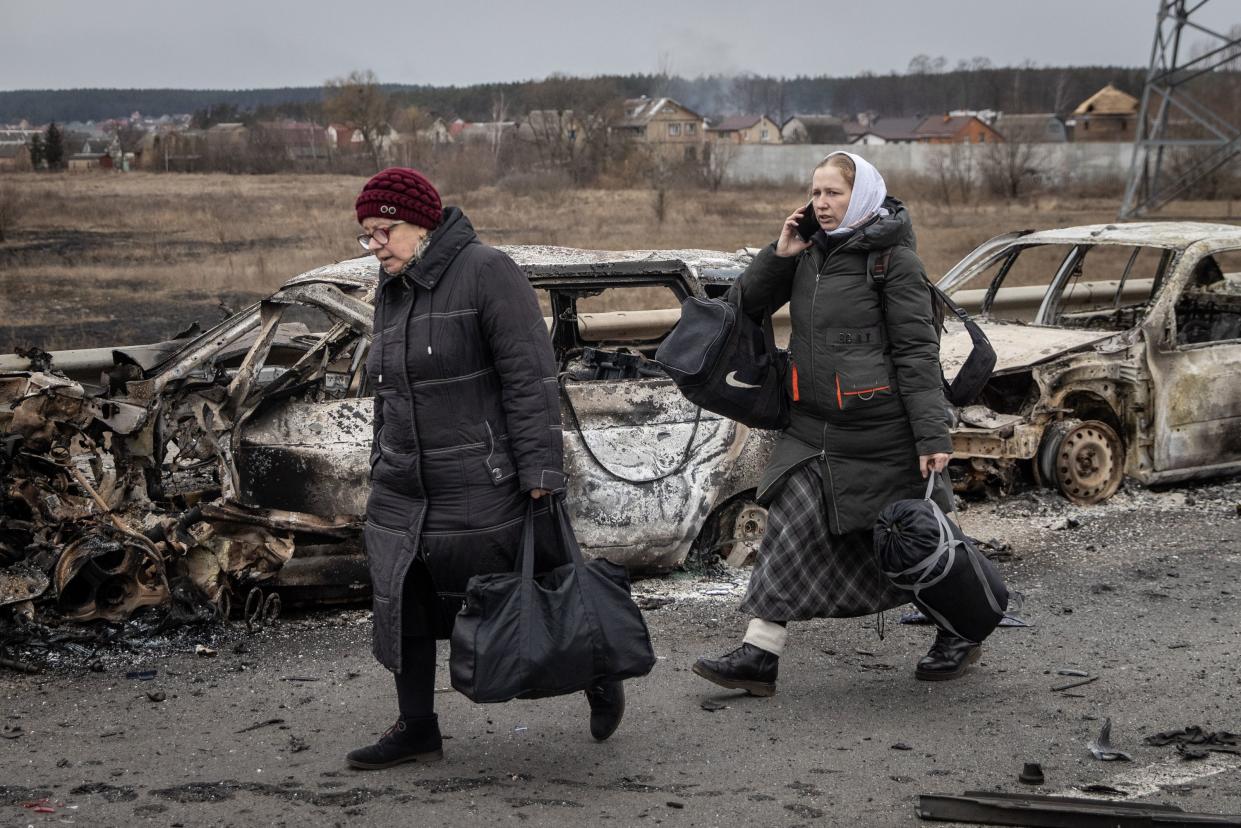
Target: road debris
[[257, 725], [990, 808], [1101, 746], [1069, 685], [1194, 742], [1031, 774]]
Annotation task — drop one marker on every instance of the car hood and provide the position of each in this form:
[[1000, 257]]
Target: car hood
[[1017, 347]]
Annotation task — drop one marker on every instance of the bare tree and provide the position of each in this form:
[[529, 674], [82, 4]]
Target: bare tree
[[952, 169], [12, 202], [129, 139], [499, 114], [1013, 164], [569, 124], [662, 82], [716, 162], [357, 101]]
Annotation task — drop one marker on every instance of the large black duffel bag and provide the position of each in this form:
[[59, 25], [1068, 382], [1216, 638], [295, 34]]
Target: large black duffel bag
[[723, 362], [921, 550], [522, 636]]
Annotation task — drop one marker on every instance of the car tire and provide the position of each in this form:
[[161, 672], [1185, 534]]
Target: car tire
[[1083, 459]]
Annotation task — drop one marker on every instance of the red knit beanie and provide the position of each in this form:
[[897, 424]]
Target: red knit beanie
[[400, 193]]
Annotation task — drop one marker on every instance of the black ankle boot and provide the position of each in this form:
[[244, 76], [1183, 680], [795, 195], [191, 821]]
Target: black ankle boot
[[607, 708], [409, 740], [746, 668], [947, 658]]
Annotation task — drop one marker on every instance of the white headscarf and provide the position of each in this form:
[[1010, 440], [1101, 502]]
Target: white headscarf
[[869, 191]]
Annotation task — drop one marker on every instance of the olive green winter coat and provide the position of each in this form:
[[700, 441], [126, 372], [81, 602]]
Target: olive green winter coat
[[864, 378]]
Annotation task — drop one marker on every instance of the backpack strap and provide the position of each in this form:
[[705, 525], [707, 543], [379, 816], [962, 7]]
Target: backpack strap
[[877, 263]]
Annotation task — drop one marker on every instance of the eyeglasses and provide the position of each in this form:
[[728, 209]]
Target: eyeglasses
[[380, 234]]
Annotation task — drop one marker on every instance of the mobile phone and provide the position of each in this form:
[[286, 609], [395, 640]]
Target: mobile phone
[[808, 225]]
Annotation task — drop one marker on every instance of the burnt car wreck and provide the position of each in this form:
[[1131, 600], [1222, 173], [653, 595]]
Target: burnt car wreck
[[226, 470], [208, 470], [1119, 347]]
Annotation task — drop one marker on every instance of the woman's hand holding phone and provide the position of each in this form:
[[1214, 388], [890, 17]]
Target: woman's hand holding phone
[[791, 242]]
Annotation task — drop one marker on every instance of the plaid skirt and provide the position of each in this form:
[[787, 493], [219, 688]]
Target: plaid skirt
[[804, 571]]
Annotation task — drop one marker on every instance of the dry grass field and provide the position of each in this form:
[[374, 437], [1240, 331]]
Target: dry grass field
[[102, 259]]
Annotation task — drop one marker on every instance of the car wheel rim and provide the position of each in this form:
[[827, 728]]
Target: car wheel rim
[[1088, 463]]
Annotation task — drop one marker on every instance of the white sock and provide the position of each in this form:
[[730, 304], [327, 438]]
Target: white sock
[[766, 635]]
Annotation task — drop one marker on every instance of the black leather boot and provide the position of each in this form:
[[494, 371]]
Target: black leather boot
[[947, 658], [747, 668], [409, 740], [607, 708]]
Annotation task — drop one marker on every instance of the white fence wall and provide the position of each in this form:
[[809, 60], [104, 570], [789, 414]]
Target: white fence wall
[[1058, 164]]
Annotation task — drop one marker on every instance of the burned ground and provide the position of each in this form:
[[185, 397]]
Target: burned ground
[[67, 306]]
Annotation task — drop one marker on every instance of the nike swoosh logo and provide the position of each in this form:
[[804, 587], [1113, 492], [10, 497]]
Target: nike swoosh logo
[[732, 380]]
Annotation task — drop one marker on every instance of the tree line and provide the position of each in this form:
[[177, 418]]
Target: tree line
[[927, 88]]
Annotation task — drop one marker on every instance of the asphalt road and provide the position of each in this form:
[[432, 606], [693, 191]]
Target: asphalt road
[[1143, 593]]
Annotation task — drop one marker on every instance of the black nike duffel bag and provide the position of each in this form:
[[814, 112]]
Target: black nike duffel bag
[[724, 362], [921, 550]]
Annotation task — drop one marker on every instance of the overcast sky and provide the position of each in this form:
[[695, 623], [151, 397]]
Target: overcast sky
[[233, 44]]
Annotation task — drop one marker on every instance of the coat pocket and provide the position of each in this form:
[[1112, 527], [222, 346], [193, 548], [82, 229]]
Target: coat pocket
[[394, 469], [861, 368], [498, 464]]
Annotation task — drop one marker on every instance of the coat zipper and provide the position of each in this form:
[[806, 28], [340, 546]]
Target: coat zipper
[[814, 298], [831, 481]]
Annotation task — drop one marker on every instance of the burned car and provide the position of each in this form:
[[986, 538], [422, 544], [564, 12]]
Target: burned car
[[1119, 350], [237, 457], [231, 465]]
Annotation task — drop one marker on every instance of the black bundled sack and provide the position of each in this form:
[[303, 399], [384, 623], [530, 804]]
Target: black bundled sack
[[921, 550], [522, 636], [721, 360]]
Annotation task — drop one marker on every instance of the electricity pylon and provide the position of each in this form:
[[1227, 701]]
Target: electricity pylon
[[1171, 118]]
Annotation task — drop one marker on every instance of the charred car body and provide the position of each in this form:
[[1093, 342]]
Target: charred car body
[[238, 457], [1119, 352]]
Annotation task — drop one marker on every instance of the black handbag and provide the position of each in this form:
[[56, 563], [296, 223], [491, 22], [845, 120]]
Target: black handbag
[[522, 636], [974, 373], [921, 550], [722, 361]]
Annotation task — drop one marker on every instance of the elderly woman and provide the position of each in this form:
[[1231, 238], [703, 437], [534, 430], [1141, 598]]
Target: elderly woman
[[867, 424], [467, 431]]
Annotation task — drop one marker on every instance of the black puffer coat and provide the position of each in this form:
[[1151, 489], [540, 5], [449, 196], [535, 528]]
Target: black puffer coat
[[866, 385], [467, 422]]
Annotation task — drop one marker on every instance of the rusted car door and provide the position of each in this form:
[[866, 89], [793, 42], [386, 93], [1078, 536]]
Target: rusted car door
[[1195, 368]]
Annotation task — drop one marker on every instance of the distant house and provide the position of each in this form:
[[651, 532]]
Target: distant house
[[552, 126], [346, 139], [661, 121], [295, 140], [814, 129], [18, 135], [93, 154], [169, 148], [746, 129], [14, 157], [1107, 115], [436, 133], [872, 131], [491, 133], [1033, 128], [956, 129]]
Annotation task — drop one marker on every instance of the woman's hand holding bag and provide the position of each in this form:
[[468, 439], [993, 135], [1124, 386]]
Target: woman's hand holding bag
[[525, 636]]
